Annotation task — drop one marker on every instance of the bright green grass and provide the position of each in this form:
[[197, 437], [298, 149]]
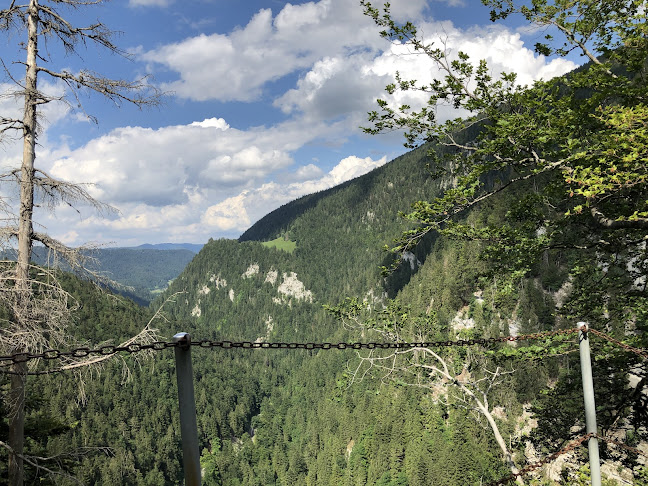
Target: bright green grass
[[281, 244]]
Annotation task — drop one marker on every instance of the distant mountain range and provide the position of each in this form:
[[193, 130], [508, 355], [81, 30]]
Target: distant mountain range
[[145, 270], [193, 247]]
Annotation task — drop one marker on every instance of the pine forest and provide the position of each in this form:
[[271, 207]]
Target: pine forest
[[484, 245]]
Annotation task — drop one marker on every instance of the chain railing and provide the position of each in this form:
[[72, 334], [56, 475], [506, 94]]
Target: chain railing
[[546, 460], [82, 352], [643, 353], [571, 446], [109, 350]]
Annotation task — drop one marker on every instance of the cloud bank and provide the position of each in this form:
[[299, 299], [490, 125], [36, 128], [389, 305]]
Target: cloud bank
[[326, 64]]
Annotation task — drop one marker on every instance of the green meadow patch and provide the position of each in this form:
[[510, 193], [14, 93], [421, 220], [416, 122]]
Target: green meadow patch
[[281, 244]]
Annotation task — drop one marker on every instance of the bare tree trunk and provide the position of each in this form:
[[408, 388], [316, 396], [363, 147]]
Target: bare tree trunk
[[25, 232], [508, 458], [17, 424], [482, 407], [25, 229]]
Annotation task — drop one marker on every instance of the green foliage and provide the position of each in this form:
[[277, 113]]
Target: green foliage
[[579, 138], [40, 427], [512, 244], [570, 156]]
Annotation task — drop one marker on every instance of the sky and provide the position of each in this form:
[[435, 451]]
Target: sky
[[263, 104]]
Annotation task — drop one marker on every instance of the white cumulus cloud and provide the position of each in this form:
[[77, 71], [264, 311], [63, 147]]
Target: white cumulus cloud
[[228, 214], [252, 205], [349, 85], [188, 182], [237, 66], [149, 3], [162, 167]]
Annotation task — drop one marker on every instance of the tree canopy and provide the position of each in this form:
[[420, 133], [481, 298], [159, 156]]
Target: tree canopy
[[572, 149], [568, 154]]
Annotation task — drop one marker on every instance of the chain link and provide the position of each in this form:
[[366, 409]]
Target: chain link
[[628, 448], [532, 467], [82, 352], [638, 351]]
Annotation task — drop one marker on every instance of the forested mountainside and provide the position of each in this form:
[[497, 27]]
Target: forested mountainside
[[145, 272], [140, 273], [305, 417]]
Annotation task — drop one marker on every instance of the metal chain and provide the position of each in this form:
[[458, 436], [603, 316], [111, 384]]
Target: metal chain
[[82, 352], [638, 351], [53, 354], [628, 448], [532, 467], [375, 345]]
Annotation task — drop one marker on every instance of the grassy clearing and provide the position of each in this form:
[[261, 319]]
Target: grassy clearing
[[281, 244]]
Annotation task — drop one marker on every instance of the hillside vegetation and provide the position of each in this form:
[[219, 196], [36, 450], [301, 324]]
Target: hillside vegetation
[[302, 417], [518, 223], [140, 273]]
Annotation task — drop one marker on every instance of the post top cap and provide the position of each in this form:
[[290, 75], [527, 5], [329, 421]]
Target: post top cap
[[181, 336]]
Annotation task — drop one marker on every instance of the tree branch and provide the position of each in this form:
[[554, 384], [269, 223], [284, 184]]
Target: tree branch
[[602, 220], [113, 89]]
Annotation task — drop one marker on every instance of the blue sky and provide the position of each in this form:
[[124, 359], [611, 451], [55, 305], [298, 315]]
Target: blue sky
[[263, 104]]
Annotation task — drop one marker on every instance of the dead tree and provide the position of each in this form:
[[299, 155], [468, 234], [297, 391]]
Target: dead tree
[[423, 367], [36, 304]]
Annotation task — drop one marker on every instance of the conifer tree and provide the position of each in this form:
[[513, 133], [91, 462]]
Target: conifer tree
[[38, 307]]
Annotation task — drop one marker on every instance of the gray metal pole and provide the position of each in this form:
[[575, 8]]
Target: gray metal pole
[[590, 407], [188, 426]]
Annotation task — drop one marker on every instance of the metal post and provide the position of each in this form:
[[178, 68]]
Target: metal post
[[188, 426], [590, 407]]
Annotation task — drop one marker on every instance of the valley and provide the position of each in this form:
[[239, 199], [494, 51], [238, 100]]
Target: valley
[[472, 312], [317, 417]]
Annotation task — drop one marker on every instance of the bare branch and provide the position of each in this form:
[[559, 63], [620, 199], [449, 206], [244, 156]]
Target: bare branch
[[601, 219], [57, 191], [36, 461], [581, 45], [10, 124], [8, 16], [70, 36], [473, 391], [146, 336], [116, 90], [33, 461]]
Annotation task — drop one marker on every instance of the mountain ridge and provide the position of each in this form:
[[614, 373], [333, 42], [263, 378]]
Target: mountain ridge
[[193, 247]]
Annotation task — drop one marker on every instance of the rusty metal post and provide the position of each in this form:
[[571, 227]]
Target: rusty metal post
[[188, 426], [590, 406]]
